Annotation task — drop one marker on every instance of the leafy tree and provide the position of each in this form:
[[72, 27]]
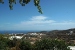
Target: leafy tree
[[23, 3], [3, 42], [47, 44], [2, 45], [44, 44], [25, 45], [12, 43]]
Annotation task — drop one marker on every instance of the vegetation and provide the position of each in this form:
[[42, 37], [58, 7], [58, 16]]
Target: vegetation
[[23, 3], [24, 45], [43, 44], [47, 44]]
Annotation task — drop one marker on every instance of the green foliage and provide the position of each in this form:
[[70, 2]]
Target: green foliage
[[24, 45], [3, 42], [47, 44], [1, 1], [11, 43], [23, 3], [2, 45], [44, 44]]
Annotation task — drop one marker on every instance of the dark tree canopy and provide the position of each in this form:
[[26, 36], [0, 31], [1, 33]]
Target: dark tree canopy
[[50, 44], [23, 3]]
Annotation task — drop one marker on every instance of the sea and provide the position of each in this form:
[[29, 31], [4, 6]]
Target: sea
[[16, 31]]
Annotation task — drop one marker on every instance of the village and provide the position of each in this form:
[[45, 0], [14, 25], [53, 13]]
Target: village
[[66, 35]]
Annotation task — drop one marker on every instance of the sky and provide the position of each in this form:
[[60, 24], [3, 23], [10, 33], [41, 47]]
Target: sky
[[57, 15]]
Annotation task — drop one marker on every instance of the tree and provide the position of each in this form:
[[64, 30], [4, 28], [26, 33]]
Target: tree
[[23, 3], [3, 42], [47, 44], [2, 45], [42, 44], [25, 45]]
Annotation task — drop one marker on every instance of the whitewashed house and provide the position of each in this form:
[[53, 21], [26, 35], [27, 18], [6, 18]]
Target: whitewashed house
[[17, 37], [72, 47]]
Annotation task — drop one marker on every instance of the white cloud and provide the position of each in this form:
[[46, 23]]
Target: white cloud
[[37, 20], [42, 23]]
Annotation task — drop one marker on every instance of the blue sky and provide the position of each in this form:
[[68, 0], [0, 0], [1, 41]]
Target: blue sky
[[57, 14]]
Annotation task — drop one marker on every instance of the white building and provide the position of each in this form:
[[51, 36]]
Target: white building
[[17, 37], [72, 47], [33, 34]]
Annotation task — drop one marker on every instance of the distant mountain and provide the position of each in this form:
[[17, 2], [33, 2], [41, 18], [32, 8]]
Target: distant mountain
[[59, 31]]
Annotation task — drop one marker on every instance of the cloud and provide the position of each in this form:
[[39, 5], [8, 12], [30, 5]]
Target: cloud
[[42, 23], [37, 20]]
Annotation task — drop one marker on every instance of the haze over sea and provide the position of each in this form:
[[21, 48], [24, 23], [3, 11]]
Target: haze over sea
[[17, 31]]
